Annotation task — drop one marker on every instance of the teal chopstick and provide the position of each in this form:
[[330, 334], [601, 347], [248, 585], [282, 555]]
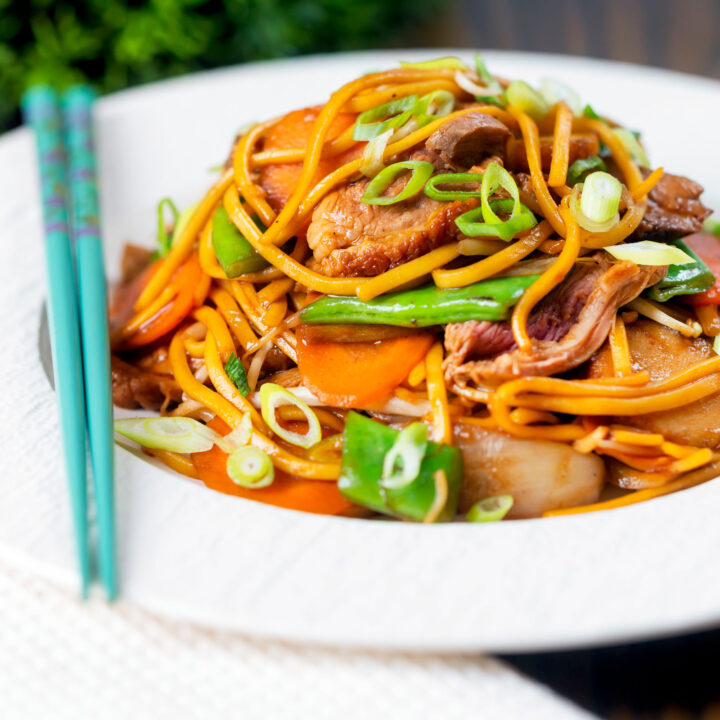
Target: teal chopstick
[[42, 112], [77, 105]]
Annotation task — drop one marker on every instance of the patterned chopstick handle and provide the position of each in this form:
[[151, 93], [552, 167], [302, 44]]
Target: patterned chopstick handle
[[78, 120], [41, 110]]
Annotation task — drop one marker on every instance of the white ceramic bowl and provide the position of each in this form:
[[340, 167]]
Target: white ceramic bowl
[[190, 553]]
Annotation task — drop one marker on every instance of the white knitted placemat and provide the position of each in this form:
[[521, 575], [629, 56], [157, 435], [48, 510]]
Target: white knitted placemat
[[61, 658]]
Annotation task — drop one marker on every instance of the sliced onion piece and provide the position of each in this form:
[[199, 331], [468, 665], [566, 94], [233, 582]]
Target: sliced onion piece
[[174, 434], [648, 252], [467, 84], [250, 467], [273, 396]]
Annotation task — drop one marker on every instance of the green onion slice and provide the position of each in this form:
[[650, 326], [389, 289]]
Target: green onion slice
[[469, 223], [443, 63], [239, 437], [389, 115], [273, 396], [421, 172], [582, 167], [596, 209], [402, 462], [588, 112], [600, 197], [250, 467], [432, 106], [490, 509], [373, 157], [554, 92], [497, 96], [648, 252], [236, 372], [175, 434], [494, 178], [432, 191], [633, 146], [527, 99], [164, 240]]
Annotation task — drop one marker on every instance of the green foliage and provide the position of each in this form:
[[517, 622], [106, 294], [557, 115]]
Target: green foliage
[[115, 44]]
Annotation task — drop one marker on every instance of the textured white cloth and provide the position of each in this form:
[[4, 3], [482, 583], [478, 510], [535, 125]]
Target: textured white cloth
[[60, 658]]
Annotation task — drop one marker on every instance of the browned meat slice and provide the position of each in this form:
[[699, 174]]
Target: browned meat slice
[[674, 209], [568, 326], [132, 387], [582, 145], [466, 140], [352, 239], [664, 352]]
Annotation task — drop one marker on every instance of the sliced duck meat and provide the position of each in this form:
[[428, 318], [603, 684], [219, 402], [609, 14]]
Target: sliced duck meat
[[349, 238], [467, 140], [133, 387], [568, 326], [674, 209]]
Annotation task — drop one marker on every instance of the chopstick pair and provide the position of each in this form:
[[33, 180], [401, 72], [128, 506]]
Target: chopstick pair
[[77, 312]]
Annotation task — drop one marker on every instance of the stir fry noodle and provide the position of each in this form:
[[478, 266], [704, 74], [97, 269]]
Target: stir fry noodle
[[440, 294]]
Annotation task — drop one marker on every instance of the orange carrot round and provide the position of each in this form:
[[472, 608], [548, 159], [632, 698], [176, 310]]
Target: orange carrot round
[[358, 374]]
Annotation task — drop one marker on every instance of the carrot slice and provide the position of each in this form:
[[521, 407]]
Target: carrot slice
[[187, 278], [287, 491], [292, 132], [358, 374]]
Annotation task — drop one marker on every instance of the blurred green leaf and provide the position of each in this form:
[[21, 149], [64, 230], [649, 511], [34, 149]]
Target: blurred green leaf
[[114, 44]]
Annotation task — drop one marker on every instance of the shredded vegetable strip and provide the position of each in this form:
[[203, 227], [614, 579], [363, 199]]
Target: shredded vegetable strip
[[184, 244], [531, 137], [627, 165], [372, 98], [206, 254], [232, 416], [622, 363], [225, 386], [561, 146], [254, 196], [234, 317], [246, 298], [547, 281], [643, 189], [437, 394], [495, 263], [214, 322]]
